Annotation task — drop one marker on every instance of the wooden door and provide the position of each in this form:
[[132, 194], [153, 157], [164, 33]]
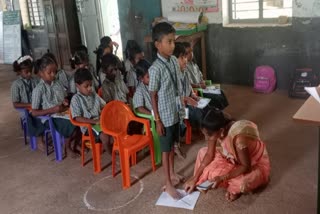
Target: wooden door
[[51, 29]]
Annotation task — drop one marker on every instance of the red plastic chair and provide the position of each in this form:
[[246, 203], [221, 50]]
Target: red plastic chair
[[114, 121], [188, 132], [96, 148]]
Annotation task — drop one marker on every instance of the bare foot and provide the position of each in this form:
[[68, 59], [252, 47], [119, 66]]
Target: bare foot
[[173, 192], [176, 179], [231, 197]]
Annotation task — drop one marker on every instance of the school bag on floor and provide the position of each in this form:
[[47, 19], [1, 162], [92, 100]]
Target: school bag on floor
[[264, 79], [302, 77]]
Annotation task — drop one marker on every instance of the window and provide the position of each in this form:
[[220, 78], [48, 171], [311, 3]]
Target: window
[[35, 13], [258, 11]]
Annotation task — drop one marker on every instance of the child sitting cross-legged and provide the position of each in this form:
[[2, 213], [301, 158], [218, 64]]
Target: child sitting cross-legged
[[86, 105]]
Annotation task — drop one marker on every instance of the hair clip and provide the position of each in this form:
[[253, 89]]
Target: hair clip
[[24, 58]]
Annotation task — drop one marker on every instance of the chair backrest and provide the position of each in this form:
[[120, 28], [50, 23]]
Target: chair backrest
[[115, 117]]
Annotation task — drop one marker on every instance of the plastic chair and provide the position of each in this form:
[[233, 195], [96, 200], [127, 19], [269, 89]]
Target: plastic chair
[[114, 121], [96, 148], [156, 139], [208, 82], [57, 138], [23, 122]]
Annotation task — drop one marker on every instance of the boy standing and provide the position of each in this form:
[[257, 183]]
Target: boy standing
[[164, 88]]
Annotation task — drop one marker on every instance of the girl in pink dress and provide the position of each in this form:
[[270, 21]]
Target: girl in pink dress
[[235, 157]]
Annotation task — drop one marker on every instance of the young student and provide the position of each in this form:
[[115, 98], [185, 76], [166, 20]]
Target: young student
[[80, 59], [113, 88], [49, 98], [86, 105], [105, 47], [240, 164], [21, 89], [141, 98], [165, 97], [192, 70], [133, 55], [61, 75], [190, 99]]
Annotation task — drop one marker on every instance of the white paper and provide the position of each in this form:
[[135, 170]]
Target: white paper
[[187, 202], [313, 92], [190, 17], [203, 102], [211, 91]]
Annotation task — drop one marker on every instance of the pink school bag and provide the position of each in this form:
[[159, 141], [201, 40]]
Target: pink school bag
[[264, 79]]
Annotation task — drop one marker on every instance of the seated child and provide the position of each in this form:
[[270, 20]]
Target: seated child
[[190, 98], [133, 54], [49, 98], [192, 70], [81, 60], [21, 89], [86, 105], [113, 88], [105, 47], [141, 98], [61, 75]]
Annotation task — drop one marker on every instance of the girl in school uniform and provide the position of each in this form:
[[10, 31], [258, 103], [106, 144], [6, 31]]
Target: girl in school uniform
[[133, 54], [49, 98], [21, 89], [80, 59]]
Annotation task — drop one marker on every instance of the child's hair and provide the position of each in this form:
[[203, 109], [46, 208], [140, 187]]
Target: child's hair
[[81, 75], [132, 48], [213, 121], [160, 30], [142, 68], [186, 44], [109, 59], [82, 48], [104, 43], [78, 58], [22, 63], [179, 49], [43, 62]]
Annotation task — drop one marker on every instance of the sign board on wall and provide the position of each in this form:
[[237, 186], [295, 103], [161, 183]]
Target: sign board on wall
[[206, 6], [11, 36]]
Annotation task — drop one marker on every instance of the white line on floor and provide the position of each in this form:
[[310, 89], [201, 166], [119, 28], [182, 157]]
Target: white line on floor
[[90, 207]]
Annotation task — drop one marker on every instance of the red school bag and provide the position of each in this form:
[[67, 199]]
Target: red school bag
[[264, 79]]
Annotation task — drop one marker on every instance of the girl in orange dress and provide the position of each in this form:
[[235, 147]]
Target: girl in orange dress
[[240, 163]]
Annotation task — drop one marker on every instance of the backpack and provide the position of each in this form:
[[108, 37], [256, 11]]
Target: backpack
[[264, 79], [302, 77]]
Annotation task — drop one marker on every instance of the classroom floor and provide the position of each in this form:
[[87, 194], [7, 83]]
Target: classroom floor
[[31, 182]]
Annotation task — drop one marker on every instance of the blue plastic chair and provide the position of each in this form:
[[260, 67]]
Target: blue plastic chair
[[23, 122]]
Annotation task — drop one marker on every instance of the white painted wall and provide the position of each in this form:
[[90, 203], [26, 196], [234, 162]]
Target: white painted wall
[[306, 8], [301, 8]]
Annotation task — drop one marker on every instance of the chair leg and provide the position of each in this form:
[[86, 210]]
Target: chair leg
[[24, 125], [125, 169], [96, 156], [189, 132], [152, 156], [33, 143], [113, 162], [134, 159], [82, 152]]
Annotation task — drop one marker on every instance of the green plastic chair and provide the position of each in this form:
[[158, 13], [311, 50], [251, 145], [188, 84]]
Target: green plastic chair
[[156, 139], [208, 82]]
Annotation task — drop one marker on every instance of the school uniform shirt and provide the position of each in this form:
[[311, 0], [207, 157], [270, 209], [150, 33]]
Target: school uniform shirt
[[164, 80], [194, 73], [185, 83], [110, 91], [132, 80], [141, 97], [21, 90], [122, 89], [86, 106], [45, 96], [63, 78]]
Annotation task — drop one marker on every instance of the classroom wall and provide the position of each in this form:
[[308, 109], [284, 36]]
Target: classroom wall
[[233, 53]]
